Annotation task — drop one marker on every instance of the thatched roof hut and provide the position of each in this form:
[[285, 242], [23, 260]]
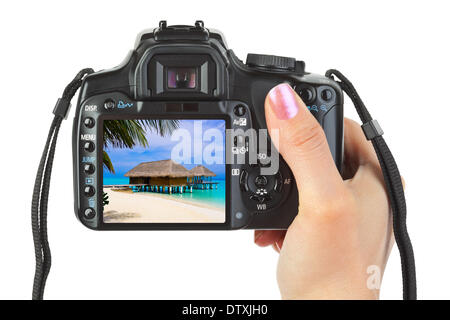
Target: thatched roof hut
[[201, 171], [162, 172], [202, 177], [161, 168]]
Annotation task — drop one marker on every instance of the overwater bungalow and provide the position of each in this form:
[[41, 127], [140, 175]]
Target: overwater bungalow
[[160, 176], [202, 178]]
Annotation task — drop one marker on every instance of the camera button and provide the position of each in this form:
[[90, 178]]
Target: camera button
[[278, 182], [256, 198], [243, 181], [307, 95], [239, 110], [109, 105], [89, 191], [89, 146], [261, 198], [239, 141], [326, 95], [89, 168], [261, 181], [89, 213], [89, 122]]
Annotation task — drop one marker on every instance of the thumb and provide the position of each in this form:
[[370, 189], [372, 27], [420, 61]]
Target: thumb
[[303, 144]]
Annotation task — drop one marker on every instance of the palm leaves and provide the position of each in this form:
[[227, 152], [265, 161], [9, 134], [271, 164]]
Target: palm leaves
[[162, 127], [107, 163], [129, 133]]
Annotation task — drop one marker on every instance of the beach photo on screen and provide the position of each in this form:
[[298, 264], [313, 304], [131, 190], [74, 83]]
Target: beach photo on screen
[[164, 171]]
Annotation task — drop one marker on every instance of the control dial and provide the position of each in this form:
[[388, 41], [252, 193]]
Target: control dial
[[270, 62], [258, 187]]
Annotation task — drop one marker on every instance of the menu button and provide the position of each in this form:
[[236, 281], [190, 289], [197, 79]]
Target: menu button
[[89, 191], [89, 146]]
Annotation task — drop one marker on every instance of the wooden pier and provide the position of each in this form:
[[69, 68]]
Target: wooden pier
[[209, 185], [169, 189], [166, 176]]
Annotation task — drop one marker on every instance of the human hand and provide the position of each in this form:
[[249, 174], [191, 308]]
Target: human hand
[[344, 224]]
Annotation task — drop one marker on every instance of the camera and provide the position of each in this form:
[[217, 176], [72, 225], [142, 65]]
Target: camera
[[175, 136]]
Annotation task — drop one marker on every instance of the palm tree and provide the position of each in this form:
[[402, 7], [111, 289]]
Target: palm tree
[[129, 133]]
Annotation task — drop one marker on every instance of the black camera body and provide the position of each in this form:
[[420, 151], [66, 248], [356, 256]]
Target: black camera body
[[184, 76]]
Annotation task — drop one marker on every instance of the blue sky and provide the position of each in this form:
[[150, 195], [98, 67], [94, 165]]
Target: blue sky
[[206, 136]]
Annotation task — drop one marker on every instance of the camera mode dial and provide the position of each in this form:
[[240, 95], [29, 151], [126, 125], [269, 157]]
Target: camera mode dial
[[264, 61]]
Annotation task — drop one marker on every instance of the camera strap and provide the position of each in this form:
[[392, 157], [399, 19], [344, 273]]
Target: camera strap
[[371, 129], [42, 185], [393, 182]]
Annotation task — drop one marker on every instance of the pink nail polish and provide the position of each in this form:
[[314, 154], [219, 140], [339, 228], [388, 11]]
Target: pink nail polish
[[283, 101]]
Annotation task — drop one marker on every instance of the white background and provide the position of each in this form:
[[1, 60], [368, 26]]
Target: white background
[[397, 54]]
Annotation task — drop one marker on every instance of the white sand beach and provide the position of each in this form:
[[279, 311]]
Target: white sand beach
[[143, 207]]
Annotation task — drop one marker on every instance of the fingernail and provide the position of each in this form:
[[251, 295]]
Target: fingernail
[[283, 101]]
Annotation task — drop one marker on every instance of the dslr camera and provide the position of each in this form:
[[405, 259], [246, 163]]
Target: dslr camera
[[175, 137]]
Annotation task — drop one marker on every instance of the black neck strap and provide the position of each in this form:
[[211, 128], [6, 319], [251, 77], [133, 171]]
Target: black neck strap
[[393, 182], [370, 127], [42, 185]]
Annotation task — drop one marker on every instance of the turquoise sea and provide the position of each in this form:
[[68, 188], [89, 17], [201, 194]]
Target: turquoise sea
[[214, 197]]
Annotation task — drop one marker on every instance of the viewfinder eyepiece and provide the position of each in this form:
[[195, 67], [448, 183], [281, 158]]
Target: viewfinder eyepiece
[[181, 78]]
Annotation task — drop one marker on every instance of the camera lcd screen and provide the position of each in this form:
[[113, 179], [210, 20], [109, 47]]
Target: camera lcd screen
[[164, 171]]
